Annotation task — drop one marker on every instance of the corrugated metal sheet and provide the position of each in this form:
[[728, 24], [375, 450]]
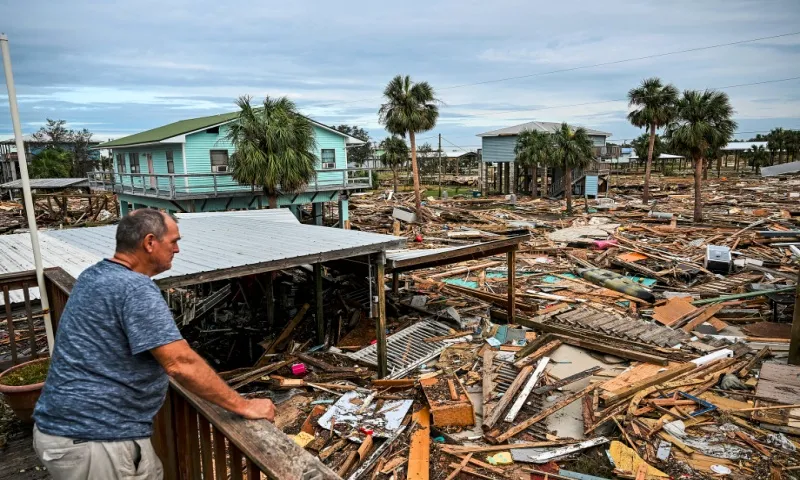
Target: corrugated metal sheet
[[591, 185], [547, 127], [397, 255], [741, 146], [782, 169], [498, 149], [210, 242], [49, 183]]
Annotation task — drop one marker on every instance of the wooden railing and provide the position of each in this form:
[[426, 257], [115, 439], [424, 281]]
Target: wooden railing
[[198, 440], [193, 438], [22, 339], [201, 185]]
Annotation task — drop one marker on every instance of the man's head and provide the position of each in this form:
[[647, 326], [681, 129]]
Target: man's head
[[150, 239]]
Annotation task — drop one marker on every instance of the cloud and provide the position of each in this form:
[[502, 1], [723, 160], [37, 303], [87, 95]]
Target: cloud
[[119, 68]]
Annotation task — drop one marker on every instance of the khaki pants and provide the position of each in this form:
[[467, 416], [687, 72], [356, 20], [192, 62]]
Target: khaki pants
[[67, 460]]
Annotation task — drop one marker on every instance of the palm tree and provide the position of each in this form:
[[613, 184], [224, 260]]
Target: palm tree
[[395, 155], [274, 146], [776, 142], [641, 145], [572, 149], [655, 108], [702, 122], [792, 144], [533, 148], [410, 108], [758, 155]]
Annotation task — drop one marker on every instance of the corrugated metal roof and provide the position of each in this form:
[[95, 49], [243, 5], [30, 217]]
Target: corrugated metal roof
[[741, 146], [210, 242], [781, 169], [397, 255], [49, 183], [548, 127], [663, 155]]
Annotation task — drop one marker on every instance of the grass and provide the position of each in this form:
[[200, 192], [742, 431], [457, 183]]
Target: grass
[[27, 375]]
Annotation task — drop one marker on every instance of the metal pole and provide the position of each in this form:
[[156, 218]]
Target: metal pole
[[440, 165], [26, 191]]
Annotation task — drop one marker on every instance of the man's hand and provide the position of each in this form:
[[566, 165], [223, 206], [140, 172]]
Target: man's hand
[[257, 408]]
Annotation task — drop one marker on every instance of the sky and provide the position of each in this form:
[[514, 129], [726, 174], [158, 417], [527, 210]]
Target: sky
[[122, 67]]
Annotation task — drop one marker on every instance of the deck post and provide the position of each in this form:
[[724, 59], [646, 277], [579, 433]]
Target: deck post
[[123, 208], [270, 298], [316, 213], [794, 346], [344, 213], [512, 284], [395, 282], [318, 303], [380, 327]]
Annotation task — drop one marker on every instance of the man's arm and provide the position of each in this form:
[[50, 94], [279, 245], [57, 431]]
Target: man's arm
[[190, 370]]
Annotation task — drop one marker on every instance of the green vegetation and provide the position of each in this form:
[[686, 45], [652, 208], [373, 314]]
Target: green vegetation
[[573, 149], [702, 125], [27, 375], [274, 145], [361, 153], [641, 145], [409, 108], [655, 108], [395, 155], [532, 149], [52, 163]]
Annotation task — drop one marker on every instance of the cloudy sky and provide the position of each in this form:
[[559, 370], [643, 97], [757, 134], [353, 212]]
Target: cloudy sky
[[121, 67]]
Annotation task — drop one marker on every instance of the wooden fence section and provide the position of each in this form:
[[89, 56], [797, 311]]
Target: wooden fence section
[[198, 440]]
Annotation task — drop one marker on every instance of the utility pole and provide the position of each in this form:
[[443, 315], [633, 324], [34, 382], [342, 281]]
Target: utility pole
[[440, 165], [26, 191]]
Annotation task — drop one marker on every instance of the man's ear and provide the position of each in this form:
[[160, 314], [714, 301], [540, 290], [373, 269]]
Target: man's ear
[[148, 243]]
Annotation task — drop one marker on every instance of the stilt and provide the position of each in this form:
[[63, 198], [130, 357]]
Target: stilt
[[380, 327], [316, 213], [344, 214], [269, 296], [318, 303], [395, 282], [511, 258]]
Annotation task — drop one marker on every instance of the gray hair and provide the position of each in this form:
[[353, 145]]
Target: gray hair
[[138, 224]]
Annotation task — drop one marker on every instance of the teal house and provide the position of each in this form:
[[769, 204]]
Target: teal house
[[183, 167]]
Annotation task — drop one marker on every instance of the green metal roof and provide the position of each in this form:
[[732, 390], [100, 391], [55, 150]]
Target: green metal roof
[[171, 130]]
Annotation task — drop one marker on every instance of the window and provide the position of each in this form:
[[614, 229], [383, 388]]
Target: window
[[134, 159], [219, 161], [213, 130], [328, 158], [170, 162], [120, 163]]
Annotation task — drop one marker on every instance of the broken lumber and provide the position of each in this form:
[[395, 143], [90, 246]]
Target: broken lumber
[[543, 414], [287, 330], [541, 352], [526, 391], [669, 374], [446, 410], [566, 381], [419, 452], [490, 421], [488, 357]]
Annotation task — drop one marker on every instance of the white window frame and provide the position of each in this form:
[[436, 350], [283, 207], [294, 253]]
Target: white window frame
[[327, 165]]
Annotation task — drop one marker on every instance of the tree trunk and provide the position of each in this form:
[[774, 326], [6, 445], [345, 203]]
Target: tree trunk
[[719, 165], [545, 191], [698, 184], [415, 172], [272, 199], [649, 166], [534, 172], [568, 188], [394, 174]]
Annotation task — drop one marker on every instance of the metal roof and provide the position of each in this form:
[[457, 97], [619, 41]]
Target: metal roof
[[780, 169], [663, 155], [744, 146], [547, 127], [213, 246], [45, 183]]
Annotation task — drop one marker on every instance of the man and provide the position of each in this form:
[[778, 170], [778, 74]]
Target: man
[[116, 344]]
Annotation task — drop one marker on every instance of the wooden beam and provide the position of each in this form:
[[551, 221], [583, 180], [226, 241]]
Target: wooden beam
[[543, 414], [669, 374], [269, 296], [511, 257], [449, 257], [318, 303], [526, 391], [419, 452], [490, 420], [794, 346], [488, 384], [380, 327]]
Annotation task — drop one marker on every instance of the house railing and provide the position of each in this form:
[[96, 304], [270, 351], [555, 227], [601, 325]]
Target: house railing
[[193, 438], [22, 333], [201, 185]]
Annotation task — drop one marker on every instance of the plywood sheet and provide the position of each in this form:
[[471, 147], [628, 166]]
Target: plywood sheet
[[635, 374], [674, 309], [779, 383]]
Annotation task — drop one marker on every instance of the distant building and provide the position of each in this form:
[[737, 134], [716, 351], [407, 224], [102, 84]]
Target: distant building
[[183, 167], [9, 165], [499, 172]]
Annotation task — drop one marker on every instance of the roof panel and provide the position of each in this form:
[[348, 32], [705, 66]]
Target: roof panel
[[44, 183], [547, 127]]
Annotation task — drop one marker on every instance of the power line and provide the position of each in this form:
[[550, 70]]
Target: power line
[[583, 67], [625, 99]]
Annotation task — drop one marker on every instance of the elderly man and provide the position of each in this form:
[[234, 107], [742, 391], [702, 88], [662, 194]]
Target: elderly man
[[116, 344]]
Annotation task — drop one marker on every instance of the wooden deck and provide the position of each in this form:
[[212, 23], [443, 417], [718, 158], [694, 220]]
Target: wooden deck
[[18, 461]]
